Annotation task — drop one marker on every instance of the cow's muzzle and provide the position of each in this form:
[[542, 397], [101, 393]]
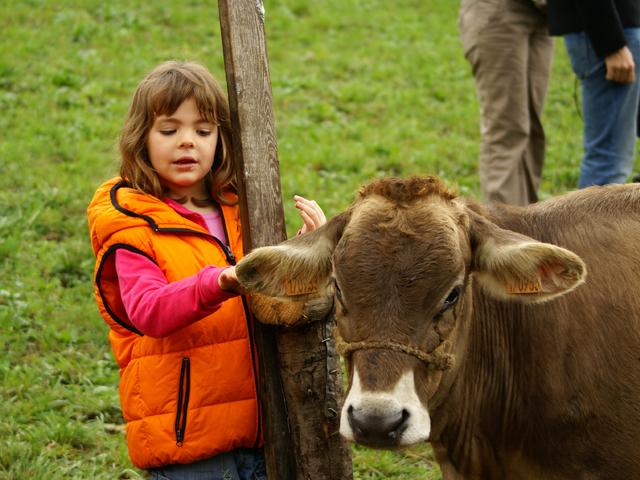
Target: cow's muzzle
[[378, 429], [385, 419]]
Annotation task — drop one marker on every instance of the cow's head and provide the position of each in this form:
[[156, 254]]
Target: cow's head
[[402, 262]]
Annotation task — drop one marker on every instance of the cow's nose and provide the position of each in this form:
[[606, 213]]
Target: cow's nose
[[381, 429]]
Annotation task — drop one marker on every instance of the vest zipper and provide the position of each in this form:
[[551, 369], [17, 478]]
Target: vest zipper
[[232, 261], [253, 366], [183, 400], [231, 258]]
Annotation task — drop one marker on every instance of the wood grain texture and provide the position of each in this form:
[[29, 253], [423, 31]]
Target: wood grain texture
[[250, 102], [299, 383]]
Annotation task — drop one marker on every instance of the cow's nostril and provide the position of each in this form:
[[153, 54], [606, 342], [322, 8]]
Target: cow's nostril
[[400, 426], [377, 428], [353, 422], [395, 425]]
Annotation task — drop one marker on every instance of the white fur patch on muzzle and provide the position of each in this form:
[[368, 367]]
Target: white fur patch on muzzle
[[385, 418]]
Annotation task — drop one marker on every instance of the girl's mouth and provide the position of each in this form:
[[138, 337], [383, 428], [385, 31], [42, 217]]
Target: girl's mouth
[[185, 161]]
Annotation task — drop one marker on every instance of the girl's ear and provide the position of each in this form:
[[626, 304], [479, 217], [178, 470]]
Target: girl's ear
[[298, 269], [512, 266]]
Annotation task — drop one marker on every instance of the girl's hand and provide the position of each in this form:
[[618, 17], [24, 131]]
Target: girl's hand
[[227, 280], [311, 213]]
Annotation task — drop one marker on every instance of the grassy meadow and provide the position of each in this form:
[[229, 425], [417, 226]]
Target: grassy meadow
[[361, 89]]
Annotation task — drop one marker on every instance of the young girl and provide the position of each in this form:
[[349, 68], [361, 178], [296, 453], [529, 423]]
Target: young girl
[[165, 234]]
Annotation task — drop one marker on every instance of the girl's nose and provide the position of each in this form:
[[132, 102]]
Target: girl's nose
[[186, 140]]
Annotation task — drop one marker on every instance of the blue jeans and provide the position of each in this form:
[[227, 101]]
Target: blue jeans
[[610, 112], [240, 464]]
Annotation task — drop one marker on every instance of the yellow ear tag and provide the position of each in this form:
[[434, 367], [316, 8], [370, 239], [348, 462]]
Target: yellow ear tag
[[295, 287], [525, 287]]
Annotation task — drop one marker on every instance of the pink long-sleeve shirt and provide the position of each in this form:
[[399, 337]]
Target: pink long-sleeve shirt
[[158, 308]]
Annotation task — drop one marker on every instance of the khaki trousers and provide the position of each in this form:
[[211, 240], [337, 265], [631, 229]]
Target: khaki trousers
[[510, 53]]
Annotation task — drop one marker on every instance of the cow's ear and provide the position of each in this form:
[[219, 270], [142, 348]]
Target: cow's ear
[[297, 269], [513, 266]]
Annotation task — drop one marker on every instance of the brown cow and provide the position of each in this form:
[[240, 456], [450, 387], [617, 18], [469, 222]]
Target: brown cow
[[478, 329]]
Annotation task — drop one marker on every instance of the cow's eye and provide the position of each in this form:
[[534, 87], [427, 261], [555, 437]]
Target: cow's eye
[[452, 298], [339, 295]]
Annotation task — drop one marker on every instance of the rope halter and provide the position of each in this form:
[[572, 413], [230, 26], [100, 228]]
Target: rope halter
[[436, 359]]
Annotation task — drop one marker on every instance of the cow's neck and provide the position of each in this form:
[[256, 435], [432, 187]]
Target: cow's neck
[[485, 391]]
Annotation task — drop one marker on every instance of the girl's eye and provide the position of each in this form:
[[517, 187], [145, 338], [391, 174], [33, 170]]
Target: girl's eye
[[167, 132], [204, 133], [451, 299]]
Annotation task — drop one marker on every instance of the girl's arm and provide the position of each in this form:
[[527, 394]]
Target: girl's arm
[[158, 308]]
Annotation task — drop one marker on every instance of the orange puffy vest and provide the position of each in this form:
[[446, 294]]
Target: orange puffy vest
[[192, 394]]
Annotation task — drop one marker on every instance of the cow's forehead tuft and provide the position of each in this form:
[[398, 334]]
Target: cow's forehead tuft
[[429, 218], [406, 190]]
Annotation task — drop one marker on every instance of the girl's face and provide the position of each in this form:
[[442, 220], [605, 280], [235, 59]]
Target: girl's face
[[181, 147]]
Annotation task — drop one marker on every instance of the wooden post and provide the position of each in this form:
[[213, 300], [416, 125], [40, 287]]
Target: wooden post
[[299, 381]]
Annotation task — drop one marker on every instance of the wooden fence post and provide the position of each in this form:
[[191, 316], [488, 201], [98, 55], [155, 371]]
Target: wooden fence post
[[299, 381]]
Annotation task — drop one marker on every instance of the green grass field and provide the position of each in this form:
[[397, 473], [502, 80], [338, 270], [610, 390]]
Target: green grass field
[[361, 89]]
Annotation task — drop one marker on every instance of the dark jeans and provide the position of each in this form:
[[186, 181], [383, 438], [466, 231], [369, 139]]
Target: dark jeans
[[240, 464]]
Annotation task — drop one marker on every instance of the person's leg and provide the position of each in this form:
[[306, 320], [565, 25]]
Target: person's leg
[[250, 464], [609, 111], [540, 59], [498, 54], [220, 467]]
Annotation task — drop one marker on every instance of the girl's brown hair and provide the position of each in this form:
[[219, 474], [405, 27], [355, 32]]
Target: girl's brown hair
[[161, 92]]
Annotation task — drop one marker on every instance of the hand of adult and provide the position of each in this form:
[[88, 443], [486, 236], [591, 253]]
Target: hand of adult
[[620, 66], [311, 213], [227, 280]]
